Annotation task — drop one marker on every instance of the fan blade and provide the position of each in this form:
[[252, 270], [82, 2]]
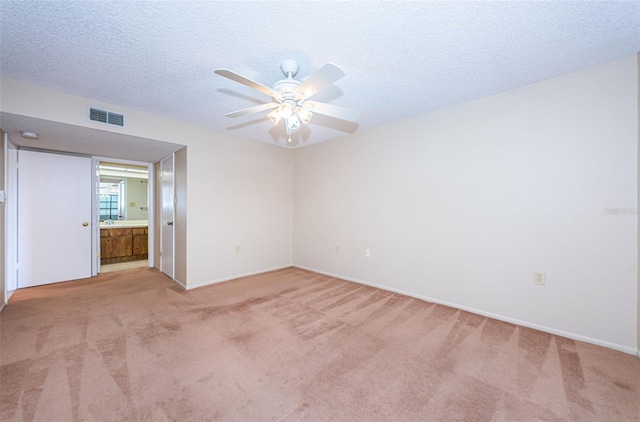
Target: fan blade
[[331, 110], [328, 74], [229, 74], [254, 109]]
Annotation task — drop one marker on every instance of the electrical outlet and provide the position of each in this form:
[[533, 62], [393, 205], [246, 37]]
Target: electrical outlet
[[367, 253], [539, 278], [237, 249], [337, 248]]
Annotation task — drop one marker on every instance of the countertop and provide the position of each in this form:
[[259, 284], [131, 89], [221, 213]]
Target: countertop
[[123, 224]]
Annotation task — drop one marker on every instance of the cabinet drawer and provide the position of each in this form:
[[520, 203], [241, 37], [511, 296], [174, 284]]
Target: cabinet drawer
[[137, 231], [115, 232]]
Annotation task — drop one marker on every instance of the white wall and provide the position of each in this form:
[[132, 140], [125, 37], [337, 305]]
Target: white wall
[[463, 204], [239, 192], [137, 194], [244, 197]]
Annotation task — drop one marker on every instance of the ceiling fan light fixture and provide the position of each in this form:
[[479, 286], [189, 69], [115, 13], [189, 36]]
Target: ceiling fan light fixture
[[291, 98], [275, 116], [304, 114], [293, 123], [285, 110]]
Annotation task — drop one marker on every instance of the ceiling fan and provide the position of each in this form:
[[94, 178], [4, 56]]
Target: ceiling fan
[[291, 98]]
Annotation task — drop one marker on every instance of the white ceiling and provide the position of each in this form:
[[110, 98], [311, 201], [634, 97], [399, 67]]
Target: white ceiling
[[401, 59]]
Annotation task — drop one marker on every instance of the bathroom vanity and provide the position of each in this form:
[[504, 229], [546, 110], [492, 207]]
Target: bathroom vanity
[[124, 241]]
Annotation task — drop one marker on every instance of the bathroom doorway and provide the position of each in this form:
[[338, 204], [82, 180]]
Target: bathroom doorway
[[123, 214]]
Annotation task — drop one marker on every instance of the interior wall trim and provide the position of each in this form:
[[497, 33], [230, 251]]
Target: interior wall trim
[[178, 282], [562, 333], [220, 280]]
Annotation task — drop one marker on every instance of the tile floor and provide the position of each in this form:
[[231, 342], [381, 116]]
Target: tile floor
[[123, 266]]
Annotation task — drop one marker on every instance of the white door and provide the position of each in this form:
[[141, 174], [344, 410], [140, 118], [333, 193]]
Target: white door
[[166, 222], [54, 218]]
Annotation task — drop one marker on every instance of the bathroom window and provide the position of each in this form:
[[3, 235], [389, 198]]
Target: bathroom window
[[111, 200]]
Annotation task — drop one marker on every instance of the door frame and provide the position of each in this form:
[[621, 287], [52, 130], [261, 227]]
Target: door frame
[[173, 217], [95, 209], [10, 216]]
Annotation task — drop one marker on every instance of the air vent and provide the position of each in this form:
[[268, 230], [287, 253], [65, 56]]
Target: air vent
[[108, 117], [97, 115], [115, 119]]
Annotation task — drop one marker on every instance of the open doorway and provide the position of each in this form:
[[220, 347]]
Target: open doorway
[[122, 210]]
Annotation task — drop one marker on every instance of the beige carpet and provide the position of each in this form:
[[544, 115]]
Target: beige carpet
[[289, 345]]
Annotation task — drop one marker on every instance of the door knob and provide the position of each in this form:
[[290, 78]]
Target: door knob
[[169, 223], [85, 224]]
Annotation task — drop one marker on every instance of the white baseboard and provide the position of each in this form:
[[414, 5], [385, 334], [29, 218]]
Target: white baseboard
[[180, 284], [570, 335], [8, 295], [220, 280]]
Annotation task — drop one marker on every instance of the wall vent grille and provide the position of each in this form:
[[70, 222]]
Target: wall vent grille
[[104, 116]]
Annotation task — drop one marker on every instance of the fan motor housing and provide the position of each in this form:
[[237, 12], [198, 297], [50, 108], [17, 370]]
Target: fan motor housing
[[286, 85]]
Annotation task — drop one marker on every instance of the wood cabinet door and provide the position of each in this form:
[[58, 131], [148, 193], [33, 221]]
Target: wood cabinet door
[[115, 247], [140, 245], [121, 246], [106, 251]]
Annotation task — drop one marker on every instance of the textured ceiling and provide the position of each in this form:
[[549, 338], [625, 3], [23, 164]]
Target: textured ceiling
[[401, 59]]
